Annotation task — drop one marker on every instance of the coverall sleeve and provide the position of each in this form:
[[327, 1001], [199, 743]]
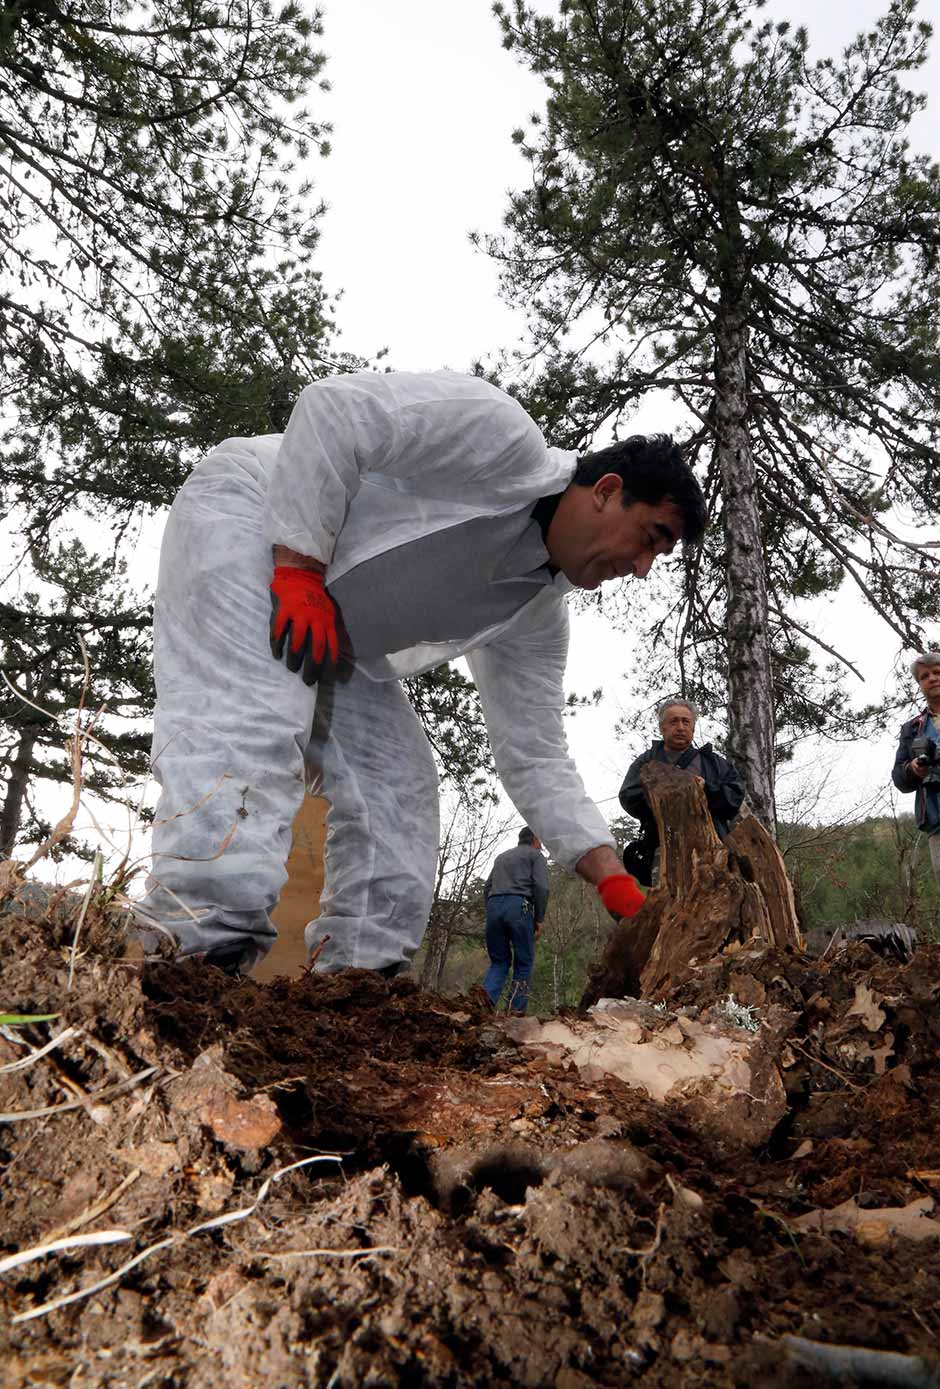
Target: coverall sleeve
[[726, 799], [632, 795], [901, 774], [539, 886], [520, 679], [455, 435]]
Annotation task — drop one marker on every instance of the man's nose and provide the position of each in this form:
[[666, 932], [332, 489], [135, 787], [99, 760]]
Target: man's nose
[[642, 565]]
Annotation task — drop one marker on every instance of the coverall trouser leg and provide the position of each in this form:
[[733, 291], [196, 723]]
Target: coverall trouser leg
[[234, 745], [370, 759]]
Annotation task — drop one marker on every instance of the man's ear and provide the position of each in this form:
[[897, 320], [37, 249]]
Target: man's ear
[[607, 489]]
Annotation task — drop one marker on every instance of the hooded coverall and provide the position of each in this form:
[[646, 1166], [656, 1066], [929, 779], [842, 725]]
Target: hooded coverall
[[416, 491]]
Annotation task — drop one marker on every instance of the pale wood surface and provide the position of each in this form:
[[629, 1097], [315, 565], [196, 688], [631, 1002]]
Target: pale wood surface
[[300, 898]]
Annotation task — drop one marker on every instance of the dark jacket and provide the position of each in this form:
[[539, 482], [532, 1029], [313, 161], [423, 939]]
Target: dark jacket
[[724, 789], [927, 798], [521, 872]]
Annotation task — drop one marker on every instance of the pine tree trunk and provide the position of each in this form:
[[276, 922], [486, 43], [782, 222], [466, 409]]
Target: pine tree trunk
[[443, 950], [12, 813], [438, 942], [750, 689], [430, 969]]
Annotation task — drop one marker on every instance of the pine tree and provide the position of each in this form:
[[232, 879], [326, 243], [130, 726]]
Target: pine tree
[[80, 644], [158, 290], [715, 215], [158, 293]]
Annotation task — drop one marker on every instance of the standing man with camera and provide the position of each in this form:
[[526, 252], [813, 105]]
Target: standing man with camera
[[917, 765]]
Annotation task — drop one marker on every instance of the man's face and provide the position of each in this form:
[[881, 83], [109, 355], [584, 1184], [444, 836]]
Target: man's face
[[928, 678], [594, 538], [677, 728]]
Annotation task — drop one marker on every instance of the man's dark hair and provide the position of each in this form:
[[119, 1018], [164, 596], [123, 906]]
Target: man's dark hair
[[526, 836], [652, 470]]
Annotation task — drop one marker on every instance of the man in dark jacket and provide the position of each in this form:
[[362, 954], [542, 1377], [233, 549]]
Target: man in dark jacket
[[724, 789], [917, 764], [516, 894]]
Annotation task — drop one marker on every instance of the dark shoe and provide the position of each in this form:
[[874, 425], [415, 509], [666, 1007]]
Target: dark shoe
[[234, 958], [394, 970]]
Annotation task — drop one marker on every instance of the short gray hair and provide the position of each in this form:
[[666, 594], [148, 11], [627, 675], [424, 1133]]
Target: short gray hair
[[671, 703], [929, 658]]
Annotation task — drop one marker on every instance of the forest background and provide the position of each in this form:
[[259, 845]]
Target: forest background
[[171, 276]]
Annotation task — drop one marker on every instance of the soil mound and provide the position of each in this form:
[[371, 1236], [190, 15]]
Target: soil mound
[[345, 1181]]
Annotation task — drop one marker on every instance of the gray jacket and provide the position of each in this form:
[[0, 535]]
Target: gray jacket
[[521, 871]]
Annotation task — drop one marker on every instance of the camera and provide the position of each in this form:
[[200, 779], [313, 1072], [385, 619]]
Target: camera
[[927, 754]]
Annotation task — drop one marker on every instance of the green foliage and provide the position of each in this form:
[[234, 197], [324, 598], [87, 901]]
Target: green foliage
[[879, 868], [21, 1019], [695, 170], [449, 709], [840, 873], [85, 613], [158, 288], [158, 293], [575, 931]]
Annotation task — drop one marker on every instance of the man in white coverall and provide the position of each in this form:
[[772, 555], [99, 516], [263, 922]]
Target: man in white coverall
[[429, 513]]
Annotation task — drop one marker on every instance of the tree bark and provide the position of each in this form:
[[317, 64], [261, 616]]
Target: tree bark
[[12, 813], [709, 895], [750, 687], [441, 931]]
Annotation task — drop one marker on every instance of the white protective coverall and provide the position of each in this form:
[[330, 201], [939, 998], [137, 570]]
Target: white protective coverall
[[368, 463]]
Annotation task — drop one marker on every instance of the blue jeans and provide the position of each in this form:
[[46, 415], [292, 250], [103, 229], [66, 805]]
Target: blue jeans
[[510, 938]]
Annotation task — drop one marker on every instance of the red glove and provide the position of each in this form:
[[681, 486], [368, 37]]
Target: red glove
[[620, 894], [303, 611]]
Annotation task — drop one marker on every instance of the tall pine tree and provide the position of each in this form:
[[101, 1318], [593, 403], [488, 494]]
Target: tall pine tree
[[158, 292], [713, 214], [77, 640]]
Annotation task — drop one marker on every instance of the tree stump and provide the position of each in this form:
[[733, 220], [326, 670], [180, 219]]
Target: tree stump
[[709, 894]]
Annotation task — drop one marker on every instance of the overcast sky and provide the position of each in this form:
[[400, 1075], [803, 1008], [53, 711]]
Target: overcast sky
[[423, 102]]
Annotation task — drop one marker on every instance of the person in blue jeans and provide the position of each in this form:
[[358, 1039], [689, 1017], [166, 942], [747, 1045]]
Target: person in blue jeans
[[516, 894]]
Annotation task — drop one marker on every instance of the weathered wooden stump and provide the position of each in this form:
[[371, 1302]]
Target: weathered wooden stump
[[709, 894]]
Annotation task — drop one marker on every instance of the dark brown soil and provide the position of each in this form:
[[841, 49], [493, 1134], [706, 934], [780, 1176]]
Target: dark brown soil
[[493, 1219]]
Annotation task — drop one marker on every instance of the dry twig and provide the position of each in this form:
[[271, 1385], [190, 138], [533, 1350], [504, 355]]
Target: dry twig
[[328, 1253], [37, 1053], [173, 1239], [58, 1246], [315, 954], [644, 1255], [93, 1211], [108, 1092], [95, 877], [859, 1365]]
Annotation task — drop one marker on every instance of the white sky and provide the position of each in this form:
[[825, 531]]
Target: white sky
[[423, 102]]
